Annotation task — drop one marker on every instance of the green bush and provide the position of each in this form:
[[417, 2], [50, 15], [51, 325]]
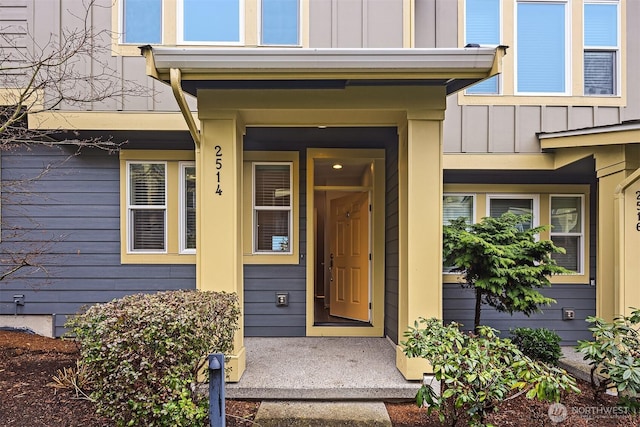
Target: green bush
[[614, 356], [476, 372], [143, 353], [540, 344]]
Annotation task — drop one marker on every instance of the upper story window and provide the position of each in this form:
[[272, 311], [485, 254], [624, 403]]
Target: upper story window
[[482, 26], [142, 21], [211, 22], [601, 47], [541, 47], [559, 48]]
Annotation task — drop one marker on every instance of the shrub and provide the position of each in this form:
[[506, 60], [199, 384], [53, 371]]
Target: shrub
[[540, 344], [614, 354], [143, 353], [476, 372]]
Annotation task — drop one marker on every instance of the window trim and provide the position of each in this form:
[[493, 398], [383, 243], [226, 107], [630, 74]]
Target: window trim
[[255, 209], [247, 207], [172, 254], [133, 208], [182, 215]]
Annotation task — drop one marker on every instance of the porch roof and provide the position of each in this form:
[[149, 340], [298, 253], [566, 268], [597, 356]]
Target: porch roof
[[305, 68]]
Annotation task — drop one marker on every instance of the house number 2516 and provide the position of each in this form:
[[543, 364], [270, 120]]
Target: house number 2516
[[218, 168]]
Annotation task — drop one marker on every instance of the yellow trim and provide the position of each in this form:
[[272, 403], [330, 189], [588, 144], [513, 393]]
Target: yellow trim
[[377, 243], [543, 161], [544, 191], [121, 120], [575, 65], [247, 209], [408, 23], [615, 137], [172, 255]]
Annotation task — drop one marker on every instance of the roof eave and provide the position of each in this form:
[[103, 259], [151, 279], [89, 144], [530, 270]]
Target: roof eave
[[453, 68]]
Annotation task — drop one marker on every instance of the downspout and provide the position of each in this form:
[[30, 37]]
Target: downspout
[[619, 212], [176, 85]]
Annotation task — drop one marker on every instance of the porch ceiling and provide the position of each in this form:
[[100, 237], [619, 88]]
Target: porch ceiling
[[276, 68]]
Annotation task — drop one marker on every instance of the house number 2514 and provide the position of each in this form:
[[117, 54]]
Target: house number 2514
[[218, 168]]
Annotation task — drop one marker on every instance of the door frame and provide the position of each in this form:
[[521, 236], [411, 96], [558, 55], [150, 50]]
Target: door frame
[[377, 243]]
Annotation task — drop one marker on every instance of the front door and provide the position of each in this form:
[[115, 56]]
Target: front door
[[349, 257]]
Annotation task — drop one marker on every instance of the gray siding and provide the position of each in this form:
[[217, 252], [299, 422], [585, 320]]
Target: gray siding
[[72, 214], [392, 246], [459, 302]]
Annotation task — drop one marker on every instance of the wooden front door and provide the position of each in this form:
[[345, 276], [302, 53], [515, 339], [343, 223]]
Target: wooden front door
[[349, 258]]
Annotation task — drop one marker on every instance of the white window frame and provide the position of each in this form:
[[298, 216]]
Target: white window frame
[[581, 234], [255, 209], [617, 84], [131, 208], [535, 220], [182, 214], [567, 49], [500, 37], [180, 28], [259, 27], [121, 22]]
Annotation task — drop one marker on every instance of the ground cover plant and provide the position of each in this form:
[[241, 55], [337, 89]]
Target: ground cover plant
[[478, 371], [143, 353]]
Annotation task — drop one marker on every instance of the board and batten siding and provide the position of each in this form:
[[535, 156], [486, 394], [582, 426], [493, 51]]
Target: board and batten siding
[[72, 212]]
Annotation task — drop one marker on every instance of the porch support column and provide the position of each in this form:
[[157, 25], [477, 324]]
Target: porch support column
[[420, 228], [613, 165], [218, 217]]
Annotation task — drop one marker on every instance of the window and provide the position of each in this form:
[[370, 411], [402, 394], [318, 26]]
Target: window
[[482, 26], [456, 206], [601, 46], [515, 204], [142, 21], [147, 206], [568, 230], [279, 22], [187, 207], [541, 44], [209, 21], [272, 207]]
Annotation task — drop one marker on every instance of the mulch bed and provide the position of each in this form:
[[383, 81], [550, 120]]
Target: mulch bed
[[27, 363]]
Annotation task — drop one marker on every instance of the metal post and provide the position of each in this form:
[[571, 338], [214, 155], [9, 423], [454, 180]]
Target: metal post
[[216, 390]]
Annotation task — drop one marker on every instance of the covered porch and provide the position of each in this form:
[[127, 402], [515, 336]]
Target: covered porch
[[406, 89]]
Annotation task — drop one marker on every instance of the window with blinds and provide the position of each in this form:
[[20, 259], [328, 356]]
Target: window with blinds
[[456, 206], [147, 206], [600, 48], [499, 205], [188, 207], [482, 26], [272, 207], [541, 43], [567, 230]]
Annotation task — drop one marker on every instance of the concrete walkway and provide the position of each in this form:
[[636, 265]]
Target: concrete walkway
[[321, 368]]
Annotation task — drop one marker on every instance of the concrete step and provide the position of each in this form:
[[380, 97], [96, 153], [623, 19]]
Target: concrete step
[[322, 414]]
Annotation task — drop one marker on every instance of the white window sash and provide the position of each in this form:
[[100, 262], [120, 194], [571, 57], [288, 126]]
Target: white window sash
[[183, 208]]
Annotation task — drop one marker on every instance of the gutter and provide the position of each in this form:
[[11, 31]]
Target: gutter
[[176, 87]]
